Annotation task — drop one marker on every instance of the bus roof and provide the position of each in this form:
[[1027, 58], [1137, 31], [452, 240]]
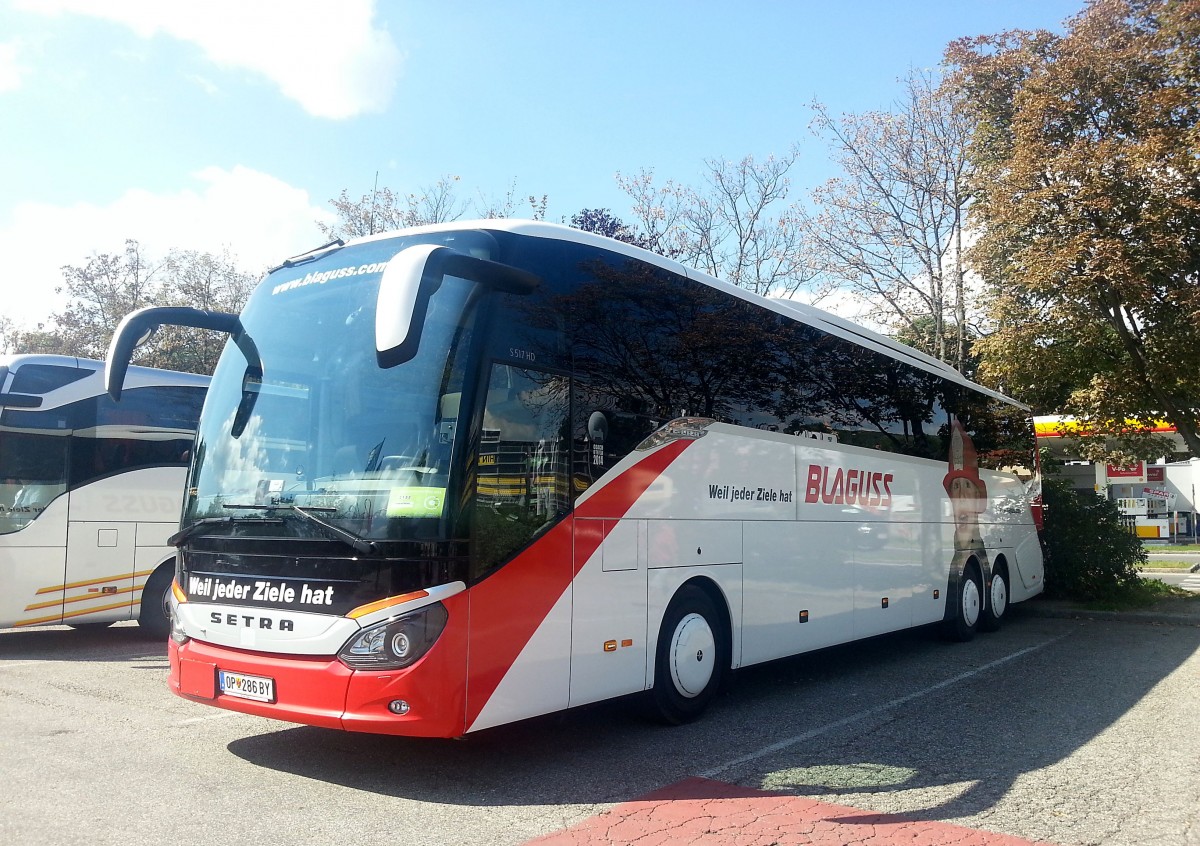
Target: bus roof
[[810, 315], [142, 375]]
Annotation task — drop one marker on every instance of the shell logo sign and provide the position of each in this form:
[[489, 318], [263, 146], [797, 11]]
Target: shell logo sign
[[1055, 426]]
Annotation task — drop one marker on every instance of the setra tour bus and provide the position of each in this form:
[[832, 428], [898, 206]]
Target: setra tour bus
[[90, 491], [455, 476]]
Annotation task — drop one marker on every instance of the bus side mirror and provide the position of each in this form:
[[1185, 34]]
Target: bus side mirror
[[138, 326], [413, 276]]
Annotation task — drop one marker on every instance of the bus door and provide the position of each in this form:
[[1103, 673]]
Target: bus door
[[33, 519], [106, 502], [609, 613], [519, 641]]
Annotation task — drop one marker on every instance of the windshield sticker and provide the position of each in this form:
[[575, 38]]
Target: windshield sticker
[[416, 502], [324, 276]]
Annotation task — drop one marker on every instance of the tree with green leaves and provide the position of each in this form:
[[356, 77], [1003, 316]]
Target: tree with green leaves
[[110, 285], [1086, 156]]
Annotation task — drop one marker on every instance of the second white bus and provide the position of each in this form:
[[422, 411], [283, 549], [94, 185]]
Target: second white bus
[[90, 491]]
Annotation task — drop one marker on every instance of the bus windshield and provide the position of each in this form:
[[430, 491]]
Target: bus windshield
[[328, 432]]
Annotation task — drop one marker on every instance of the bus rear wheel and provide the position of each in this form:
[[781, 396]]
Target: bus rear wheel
[[691, 659], [997, 601], [965, 622], [155, 614]]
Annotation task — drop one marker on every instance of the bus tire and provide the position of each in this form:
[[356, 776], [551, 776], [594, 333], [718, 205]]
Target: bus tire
[[155, 614], [691, 659], [997, 600], [965, 622]]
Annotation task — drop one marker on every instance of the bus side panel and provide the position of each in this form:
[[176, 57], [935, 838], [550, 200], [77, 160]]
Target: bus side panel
[[799, 588], [33, 569], [536, 679], [1028, 564], [149, 495], [539, 680], [725, 475], [1009, 525], [608, 615]]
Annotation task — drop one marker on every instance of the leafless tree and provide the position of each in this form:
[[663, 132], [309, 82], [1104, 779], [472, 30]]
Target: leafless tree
[[383, 209], [891, 229], [738, 226]]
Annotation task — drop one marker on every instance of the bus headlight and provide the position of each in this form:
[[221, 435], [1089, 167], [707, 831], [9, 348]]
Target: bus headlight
[[177, 633], [395, 644]]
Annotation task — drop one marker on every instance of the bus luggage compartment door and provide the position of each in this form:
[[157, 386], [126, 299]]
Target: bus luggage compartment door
[[100, 572]]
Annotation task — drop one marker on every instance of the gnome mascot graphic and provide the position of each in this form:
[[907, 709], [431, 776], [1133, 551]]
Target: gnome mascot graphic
[[968, 499]]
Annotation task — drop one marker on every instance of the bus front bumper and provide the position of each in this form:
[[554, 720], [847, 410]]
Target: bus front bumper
[[322, 691]]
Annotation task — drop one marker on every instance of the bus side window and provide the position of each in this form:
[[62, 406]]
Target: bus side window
[[35, 473]]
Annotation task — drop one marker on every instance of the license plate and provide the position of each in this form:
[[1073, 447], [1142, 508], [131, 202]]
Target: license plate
[[258, 688]]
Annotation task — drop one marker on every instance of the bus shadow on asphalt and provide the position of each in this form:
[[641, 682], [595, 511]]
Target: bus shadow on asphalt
[[952, 726], [85, 643]]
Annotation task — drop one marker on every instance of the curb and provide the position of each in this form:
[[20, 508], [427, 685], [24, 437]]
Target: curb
[[1067, 612]]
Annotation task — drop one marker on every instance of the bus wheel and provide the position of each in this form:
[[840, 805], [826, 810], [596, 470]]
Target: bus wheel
[[970, 605], [155, 614], [997, 604], [690, 661]]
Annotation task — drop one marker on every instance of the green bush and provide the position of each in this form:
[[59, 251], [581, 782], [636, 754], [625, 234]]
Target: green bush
[[1090, 556]]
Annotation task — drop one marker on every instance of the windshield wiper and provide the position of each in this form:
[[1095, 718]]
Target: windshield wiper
[[355, 542], [311, 255], [182, 535]]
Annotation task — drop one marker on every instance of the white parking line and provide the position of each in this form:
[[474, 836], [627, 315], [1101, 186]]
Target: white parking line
[[870, 712], [224, 715]]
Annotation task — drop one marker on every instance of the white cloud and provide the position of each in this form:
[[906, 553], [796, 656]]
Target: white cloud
[[11, 70], [329, 57], [259, 219]]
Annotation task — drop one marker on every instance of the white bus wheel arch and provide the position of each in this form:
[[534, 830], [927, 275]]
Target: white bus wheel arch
[[154, 615], [692, 659]]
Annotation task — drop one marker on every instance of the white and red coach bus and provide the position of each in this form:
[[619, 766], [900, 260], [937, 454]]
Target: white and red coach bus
[[451, 477], [90, 491]]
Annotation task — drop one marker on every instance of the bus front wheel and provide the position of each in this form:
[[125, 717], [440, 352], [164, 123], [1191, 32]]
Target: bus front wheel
[[155, 613], [691, 658]]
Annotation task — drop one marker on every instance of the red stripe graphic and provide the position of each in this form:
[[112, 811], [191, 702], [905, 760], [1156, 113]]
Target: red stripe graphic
[[508, 607]]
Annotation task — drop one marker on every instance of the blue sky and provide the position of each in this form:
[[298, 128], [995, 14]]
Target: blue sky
[[230, 124]]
